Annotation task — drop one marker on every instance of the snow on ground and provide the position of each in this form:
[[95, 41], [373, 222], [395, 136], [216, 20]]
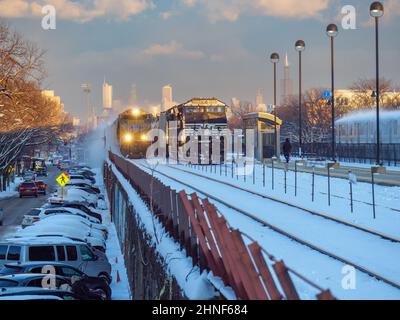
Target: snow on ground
[[11, 189], [379, 254], [387, 198], [195, 285], [120, 290]]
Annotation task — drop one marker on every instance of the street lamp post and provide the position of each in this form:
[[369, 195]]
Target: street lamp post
[[300, 46], [332, 31], [275, 59], [376, 11]]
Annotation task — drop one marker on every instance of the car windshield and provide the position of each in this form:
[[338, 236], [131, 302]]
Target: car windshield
[[34, 212]]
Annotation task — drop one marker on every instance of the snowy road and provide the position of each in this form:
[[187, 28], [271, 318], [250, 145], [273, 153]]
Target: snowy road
[[370, 251]]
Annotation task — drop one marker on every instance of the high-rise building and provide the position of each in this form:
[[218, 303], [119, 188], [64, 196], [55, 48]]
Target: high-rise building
[[133, 102], [107, 95], [259, 98], [286, 83], [167, 100], [50, 95]]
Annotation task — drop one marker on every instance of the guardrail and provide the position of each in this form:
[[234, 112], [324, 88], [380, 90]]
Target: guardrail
[[206, 236]]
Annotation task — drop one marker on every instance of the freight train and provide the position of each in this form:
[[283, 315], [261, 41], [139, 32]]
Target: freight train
[[189, 119]]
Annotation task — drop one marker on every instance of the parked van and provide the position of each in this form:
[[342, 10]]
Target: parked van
[[56, 249]]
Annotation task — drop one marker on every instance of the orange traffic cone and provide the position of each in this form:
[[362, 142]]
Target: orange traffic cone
[[118, 277]]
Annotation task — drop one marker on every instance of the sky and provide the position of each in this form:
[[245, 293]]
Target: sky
[[203, 48]]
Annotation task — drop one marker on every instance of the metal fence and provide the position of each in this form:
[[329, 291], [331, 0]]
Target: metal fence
[[212, 244], [353, 152]]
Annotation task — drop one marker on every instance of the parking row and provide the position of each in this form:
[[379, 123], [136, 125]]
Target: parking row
[[59, 251]]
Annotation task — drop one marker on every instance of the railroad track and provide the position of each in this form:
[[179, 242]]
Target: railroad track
[[280, 230], [294, 205]]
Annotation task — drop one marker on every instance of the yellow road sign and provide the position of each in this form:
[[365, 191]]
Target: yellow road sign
[[62, 179]]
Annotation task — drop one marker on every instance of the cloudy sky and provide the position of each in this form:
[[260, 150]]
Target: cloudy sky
[[201, 47]]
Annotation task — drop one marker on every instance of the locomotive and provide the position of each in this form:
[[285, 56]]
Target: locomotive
[[132, 127], [190, 120]]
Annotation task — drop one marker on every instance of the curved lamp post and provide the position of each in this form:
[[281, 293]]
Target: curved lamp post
[[332, 31], [376, 11], [300, 46], [275, 59]]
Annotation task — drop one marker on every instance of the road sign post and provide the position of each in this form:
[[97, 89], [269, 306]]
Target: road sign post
[[62, 180]]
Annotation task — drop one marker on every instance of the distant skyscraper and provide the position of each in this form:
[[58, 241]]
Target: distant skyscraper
[[133, 96], [286, 83], [167, 101], [107, 95], [259, 99]]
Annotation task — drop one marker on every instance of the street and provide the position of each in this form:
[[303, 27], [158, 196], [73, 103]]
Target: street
[[15, 208]]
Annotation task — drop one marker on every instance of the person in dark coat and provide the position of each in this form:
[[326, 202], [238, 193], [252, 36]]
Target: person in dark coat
[[287, 150]]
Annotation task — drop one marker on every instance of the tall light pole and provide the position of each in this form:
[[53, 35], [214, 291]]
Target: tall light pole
[[332, 31], [300, 46], [376, 11], [275, 59]]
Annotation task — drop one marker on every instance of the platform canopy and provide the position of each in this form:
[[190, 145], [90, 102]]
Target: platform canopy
[[267, 118]]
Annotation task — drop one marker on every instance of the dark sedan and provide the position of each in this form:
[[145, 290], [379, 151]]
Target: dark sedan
[[62, 270], [41, 187], [28, 189]]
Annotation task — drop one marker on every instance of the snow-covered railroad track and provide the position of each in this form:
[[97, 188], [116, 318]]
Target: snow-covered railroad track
[[303, 209], [369, 262]]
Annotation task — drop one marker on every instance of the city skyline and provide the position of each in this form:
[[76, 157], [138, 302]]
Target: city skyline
[[228, 58]]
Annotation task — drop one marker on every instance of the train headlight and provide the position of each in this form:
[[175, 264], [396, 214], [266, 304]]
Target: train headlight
[[135, 112], [128, 137]]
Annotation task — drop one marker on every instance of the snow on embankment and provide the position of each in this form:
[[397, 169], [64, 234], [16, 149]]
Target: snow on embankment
[[195, 285]]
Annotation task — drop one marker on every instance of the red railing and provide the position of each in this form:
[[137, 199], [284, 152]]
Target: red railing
[[206, 236]]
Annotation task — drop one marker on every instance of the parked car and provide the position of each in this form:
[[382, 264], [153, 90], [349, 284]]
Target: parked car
[[84, 175], [56, 249], [42, 187], [54, 282], [1, 216], [94, 242], [31, 280], [60, 269], [70, 219], [60, 224], [28, 189], [84, 185], [38, 214], [75, 205], [75, 195], [14, 293]]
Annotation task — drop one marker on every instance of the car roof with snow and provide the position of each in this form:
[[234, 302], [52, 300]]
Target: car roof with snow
[[29, 240]]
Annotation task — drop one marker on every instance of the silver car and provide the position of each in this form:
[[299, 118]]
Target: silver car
[[74, 253]]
